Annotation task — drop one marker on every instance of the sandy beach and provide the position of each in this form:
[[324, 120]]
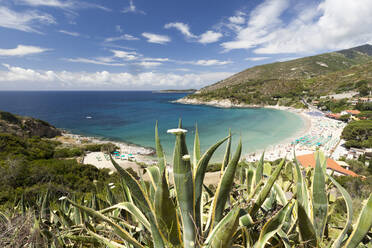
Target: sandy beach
[[319, 132]]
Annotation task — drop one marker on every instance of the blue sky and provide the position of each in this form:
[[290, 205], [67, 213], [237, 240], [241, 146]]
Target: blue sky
[[138, 44]]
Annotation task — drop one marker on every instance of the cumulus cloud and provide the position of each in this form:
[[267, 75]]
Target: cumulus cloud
[[121, 37], [210, 37], [156, 38], [22, 50], [24, 21], [182, 27], [18, 76], [132, 9], [328, 25]]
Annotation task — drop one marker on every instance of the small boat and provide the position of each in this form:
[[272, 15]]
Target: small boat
[[88, 117]]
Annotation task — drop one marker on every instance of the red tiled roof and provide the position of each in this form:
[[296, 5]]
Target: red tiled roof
[[309, 160], [336, 116], [353, 112]]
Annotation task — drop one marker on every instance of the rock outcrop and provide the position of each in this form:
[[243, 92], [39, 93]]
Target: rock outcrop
[[26, 126]]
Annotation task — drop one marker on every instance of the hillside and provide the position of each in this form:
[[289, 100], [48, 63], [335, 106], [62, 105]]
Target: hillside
[[289, 81], [26, 126]]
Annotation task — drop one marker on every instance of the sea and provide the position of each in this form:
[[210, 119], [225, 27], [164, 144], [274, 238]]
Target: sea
[[130, 116]]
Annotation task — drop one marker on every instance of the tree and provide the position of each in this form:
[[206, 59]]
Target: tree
[[364, 90]]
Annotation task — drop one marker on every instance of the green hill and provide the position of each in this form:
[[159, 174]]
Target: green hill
[[288, 82]]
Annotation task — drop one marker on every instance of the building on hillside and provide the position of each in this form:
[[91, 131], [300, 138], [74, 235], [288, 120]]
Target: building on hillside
[[365, 99], [350, 112], [308, 160], [353, 101], [333, 116]]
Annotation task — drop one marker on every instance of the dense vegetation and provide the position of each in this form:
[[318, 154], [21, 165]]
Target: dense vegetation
[[254, 205], [286, 83], [31, 166], [358, 134]]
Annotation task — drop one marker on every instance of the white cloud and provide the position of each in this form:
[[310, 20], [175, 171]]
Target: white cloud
[[22, 50], [49, 3], [156, 59], [71, 4], [24, 21], [132, 9], [182, 27], [257, 58], [238, 19], [121, 37], [210, 37], [261, 21], [149, 64], [156, 38], [125, 55], [211, 62], [316, 27], [21, 78], [97, 61], [75, 34]]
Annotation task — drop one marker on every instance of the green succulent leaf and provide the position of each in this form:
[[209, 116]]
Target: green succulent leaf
[[266, 189], [320, 202], [363, 225], [349, 207], [183, 181], [272, 227]]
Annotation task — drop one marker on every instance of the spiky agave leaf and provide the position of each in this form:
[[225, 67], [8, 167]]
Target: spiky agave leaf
[[306, 228], [199, 178], [363, 225], [117, 228], [165, 213], [349, 208], [320, 202], [272, 227], [132, 209], [197, 153], [224, 188], [142, 200], [266, 189], [259, 169], [221, 235], [301, 189], [183, 182], [159, 150], [227, 155]]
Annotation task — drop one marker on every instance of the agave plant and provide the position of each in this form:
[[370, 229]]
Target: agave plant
[[177, 210]]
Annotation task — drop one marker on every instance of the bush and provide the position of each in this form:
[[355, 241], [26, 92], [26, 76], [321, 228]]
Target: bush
[[68, 152], [358, 134]]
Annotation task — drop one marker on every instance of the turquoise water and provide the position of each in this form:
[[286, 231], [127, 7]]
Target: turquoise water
[[131, 115]]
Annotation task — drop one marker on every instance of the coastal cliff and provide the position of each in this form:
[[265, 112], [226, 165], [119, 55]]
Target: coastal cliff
[[22, 126]]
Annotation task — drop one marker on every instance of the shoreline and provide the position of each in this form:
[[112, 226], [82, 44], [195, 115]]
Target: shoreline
[[313, 127], [124, 146], [317, 127]]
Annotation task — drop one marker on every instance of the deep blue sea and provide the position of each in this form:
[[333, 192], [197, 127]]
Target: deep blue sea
[[131, 115]]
